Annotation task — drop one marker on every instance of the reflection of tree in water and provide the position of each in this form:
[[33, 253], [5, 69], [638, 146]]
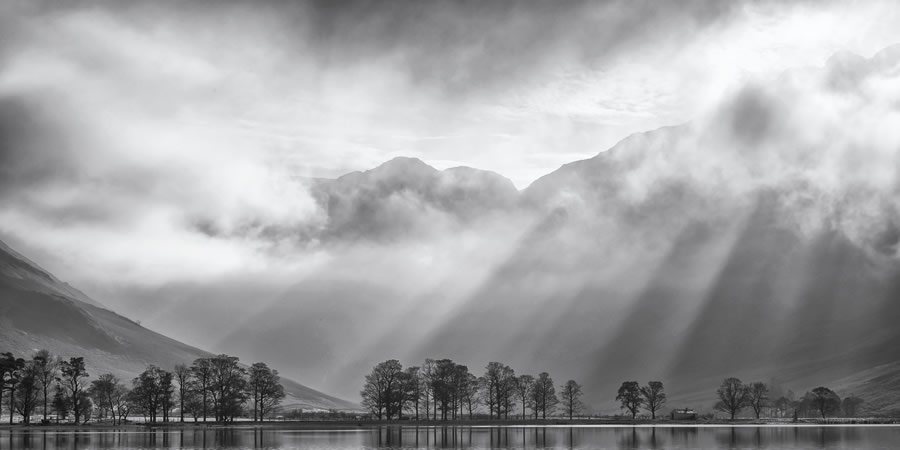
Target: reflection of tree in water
[[540, 437], [627, 438], [732, 436], [531, 438], [764, 437], [686, 436]]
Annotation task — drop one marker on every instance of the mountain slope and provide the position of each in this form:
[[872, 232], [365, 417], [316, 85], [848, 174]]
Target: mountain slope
[[37, 311]]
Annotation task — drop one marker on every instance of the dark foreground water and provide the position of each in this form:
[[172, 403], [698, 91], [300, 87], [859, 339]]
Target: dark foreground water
[[563, 437]]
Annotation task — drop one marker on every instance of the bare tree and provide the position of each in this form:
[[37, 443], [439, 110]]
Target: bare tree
[[108, 394], [167, 390], [265, 389], [629, 396], [461, 389], [9, 378], [61, 403], [570, 394], [412, 389], [543, 395], [121, 401], [757, 396], [732, 395], [469, 393], [27, 391], [148, 391], [524, 386], [74, 381], [654, 397], [498, 385], [228, 387], [184, 377], [427, 375], [202, 371], [381, 388], [47, 372]]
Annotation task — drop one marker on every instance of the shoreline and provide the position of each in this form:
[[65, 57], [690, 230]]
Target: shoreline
[[360, 425]]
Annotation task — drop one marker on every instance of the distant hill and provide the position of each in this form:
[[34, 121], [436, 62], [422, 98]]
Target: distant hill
[[405, 196], [38, 311]]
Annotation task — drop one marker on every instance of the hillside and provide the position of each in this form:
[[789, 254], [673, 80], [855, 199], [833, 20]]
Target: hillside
[[38, 311]]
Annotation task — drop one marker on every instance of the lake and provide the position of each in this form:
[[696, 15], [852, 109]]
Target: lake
[[508, 437]]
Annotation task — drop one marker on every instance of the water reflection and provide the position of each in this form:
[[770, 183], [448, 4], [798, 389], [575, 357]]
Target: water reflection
[[393, 437]]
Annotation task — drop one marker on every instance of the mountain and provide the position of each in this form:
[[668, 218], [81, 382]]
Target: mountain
[[38, 311], [406, 196]]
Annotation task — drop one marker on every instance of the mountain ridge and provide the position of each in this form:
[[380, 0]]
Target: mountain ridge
[[44, 316]]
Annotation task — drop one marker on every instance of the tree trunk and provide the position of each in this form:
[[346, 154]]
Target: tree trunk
[[75, 408], [45, 402]]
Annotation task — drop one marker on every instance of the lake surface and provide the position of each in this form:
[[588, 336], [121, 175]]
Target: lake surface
[[391, 437]]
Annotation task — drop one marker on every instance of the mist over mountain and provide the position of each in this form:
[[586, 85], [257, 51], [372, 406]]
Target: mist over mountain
[[38, 311], [405, 196], [732, 245]]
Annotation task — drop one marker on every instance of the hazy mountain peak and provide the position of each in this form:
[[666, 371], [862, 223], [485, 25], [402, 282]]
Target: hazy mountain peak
[[475, 178], [407, 197], [403, 166]]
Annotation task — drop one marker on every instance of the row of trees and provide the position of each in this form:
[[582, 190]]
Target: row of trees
[[734, 396], [218, 386], [27, 384], [632, 397], [443, 389]]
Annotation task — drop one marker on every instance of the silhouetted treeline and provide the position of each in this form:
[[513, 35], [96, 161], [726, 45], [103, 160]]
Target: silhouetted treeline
[[734, 396], [217, 387], [445, 390]]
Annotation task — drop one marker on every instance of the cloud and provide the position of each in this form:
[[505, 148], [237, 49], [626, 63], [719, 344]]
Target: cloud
[[160, 151]]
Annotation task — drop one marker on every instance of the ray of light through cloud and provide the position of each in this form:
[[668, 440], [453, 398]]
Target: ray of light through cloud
[[165, 157]]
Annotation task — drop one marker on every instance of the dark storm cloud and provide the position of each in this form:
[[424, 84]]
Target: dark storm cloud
[[454, 46], [467, 45]]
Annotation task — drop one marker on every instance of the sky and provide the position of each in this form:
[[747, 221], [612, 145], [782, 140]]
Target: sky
[[128, 130]]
